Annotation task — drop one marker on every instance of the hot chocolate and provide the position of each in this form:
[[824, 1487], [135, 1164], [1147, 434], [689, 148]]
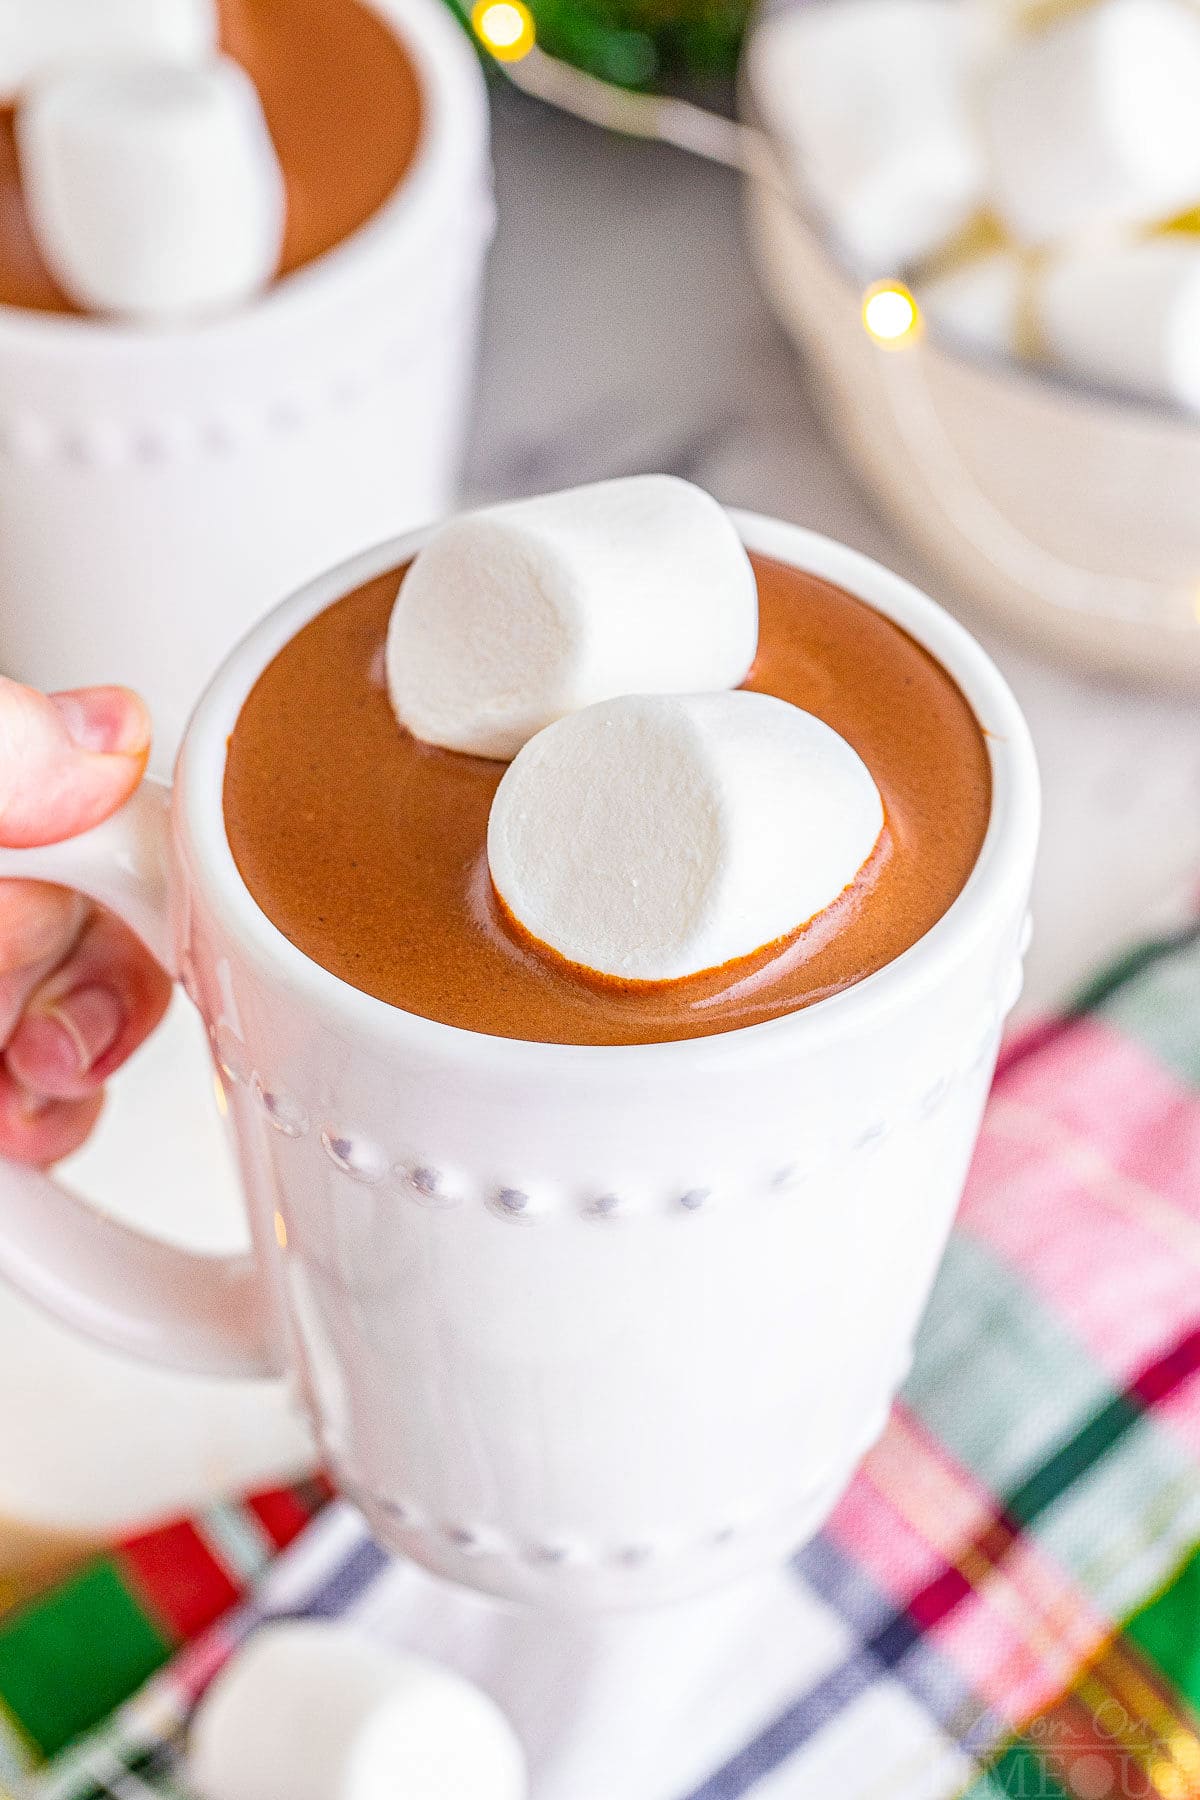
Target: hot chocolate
[[366, 847], [344, 109]]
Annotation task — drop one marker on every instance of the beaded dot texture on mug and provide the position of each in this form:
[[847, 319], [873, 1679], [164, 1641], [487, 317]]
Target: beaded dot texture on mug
[[424, 1183]]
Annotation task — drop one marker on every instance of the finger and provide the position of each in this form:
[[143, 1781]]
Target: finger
[[37, 1131], [39, 927], [89, 1015], [38, 923], [66, 760]]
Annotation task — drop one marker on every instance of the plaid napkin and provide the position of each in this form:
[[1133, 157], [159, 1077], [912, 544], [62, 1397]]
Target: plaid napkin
[[1007, 1600], [70, 1656]]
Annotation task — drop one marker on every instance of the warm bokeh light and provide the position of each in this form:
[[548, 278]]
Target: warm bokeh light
[[505, 27], [890, 314], [1169, 1781], [219, 1095], [280, 1231]]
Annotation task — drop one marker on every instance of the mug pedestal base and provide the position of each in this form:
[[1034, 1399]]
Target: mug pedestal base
[[620, 1578]]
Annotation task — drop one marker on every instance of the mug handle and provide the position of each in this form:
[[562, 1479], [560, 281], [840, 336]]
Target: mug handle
[[178, 1308]]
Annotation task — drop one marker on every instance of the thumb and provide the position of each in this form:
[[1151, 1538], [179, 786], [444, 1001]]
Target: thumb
[[66, 760]]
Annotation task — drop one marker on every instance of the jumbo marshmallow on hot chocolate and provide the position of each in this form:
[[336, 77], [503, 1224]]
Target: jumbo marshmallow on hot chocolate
[[153, 189], [644, 831], [42, 37], [657, 836], [516, 615]]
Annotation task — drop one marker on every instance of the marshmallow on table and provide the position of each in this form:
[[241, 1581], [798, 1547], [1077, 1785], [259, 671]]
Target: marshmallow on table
[[655, 836], [38, 37], [516, 615], [981, 302], [153, 190], [873, 100], [1093, 123], [310, 1710], [1128, 317]]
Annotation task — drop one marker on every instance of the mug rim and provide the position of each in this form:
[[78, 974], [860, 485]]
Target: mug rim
[[1000, 874], [452, 97]]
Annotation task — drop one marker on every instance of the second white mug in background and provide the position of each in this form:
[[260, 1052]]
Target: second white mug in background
[[159, 489]]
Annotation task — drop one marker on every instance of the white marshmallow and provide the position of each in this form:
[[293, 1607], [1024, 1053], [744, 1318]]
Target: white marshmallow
[[872, 99], [998, 22], [153, 190], [314, 1711], [655, 836], [1128, 317], [1093, 123], [511, 617], [978, 303], [40, 37]]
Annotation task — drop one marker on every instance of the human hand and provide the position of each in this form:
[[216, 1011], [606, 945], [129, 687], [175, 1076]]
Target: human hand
[[78, 992]]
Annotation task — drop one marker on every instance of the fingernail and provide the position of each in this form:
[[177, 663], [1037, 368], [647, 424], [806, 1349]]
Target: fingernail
[[66, 1040], [110, 720]]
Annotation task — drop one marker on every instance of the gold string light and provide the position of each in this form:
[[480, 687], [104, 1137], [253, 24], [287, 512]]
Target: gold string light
[[890, 315], [504, 27]]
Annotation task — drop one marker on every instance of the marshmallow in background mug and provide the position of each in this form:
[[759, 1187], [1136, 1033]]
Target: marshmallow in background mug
[[39, 37], [979, 302], [1128, 317], [154, 190], [873, 100], [310, 1710], [1093, 123], [513, 616], [655, 836]]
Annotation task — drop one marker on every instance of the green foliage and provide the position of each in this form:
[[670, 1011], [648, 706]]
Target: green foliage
[[641, 43]]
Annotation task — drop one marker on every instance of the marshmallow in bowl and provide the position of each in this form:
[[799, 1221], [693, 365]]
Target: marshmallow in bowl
[[153, 189], [311, 1710], [651, 837], [873, 100], [513, 616], [1128, 317], [1093, 122], [40, 37], [980, 302]]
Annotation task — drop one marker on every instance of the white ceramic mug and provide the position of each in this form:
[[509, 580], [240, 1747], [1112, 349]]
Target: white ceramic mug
[[159, 489], [589, 1327]]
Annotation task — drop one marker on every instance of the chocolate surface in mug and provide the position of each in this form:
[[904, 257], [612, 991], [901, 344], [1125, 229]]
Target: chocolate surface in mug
[[367, 848], [344, 110]]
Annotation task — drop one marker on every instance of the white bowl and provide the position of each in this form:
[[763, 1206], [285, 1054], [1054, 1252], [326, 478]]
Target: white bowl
[[1070, 515]]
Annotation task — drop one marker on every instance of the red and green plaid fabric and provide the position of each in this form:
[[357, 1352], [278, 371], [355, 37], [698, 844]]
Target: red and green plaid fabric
[[1021, 1551], [72, 1655], [1007, 1600]]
